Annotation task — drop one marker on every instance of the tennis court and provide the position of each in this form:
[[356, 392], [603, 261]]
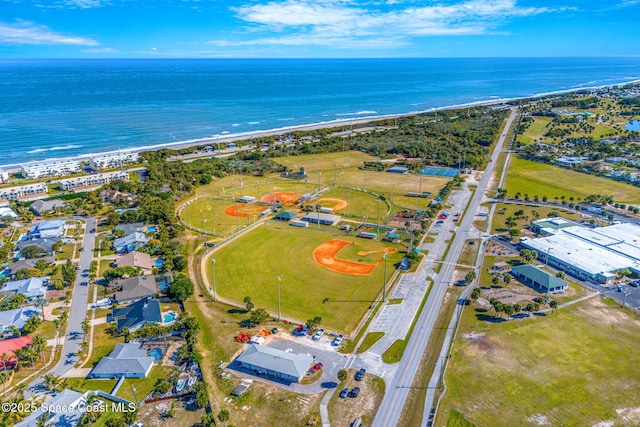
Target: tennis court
[[432, 171]]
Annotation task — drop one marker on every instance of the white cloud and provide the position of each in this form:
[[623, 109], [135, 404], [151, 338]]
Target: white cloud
[[84, 4], [381, 24], [23, 32]]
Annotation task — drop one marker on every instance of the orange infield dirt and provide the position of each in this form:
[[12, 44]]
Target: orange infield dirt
[[244, 211], [325, 255], [335, 204], [285, 198]]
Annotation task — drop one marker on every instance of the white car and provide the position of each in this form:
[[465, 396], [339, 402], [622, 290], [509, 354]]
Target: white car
[[337, 340], [318, 335]]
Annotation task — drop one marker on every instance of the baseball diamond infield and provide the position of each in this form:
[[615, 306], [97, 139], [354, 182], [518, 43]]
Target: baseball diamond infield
[[285, 198], [335, 204], [325, 255], [244, 211]]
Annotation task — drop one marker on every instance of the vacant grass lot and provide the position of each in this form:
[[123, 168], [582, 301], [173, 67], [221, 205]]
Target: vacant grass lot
[[536, 130], [249, 265], [572, 368], [498, 224], [540, 179], [142, 386]]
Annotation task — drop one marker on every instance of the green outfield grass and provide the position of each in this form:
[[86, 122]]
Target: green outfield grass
[[360, 204], [249, 265], [541, 179], [322, 168], [572, 368]]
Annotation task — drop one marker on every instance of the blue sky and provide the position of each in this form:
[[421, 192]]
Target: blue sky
[[317, 28]]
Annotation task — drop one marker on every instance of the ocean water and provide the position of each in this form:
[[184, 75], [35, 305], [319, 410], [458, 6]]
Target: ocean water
[[62, 108]]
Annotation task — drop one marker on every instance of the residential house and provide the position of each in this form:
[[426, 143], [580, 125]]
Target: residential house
[[135, 288], [131, 228], [32, 287], [28, 264], [4, 176], [16, 318], [115, 196], [48, 229], [8, 347], [128, 360], [46, 244], [4, 211], [135, 259], [130, 242], [41, 207], [282, 365], [65, 409], [136, 314]]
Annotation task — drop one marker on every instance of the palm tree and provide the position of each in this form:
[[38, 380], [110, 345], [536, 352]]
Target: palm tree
[[40, 303]]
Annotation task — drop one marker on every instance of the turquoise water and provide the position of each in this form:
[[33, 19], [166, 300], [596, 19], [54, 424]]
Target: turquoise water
[[169, 317], [633, 125], [156, 353], [152, 229], [158, 262], [59, 108]]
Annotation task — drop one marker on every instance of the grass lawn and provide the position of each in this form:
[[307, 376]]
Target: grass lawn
[[498, 224], [66, 252], [541, 179], [536, 130], [84, 384], [321, 168], [143, 386], [572, 368], [360, 204], [248, 266], [46, 329], [342, 412], [103, 344], [369, 341]]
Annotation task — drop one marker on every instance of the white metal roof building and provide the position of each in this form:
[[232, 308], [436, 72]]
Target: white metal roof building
[[322, 218], [95, 179], [36, 170], [591, 254], [25, 192]]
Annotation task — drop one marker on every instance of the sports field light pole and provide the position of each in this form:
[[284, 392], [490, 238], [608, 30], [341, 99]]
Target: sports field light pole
[[384, 279], [237, 218], [278, 277], [347, 203], [335, 165], [378, 220], [206, 238], [213, 274]]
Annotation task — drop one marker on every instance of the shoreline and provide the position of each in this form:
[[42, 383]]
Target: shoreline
[[232, 137]]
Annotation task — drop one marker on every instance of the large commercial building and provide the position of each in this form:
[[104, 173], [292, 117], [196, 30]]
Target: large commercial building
[[25, 193], [35, 170], [91, 182], [281, 365], [597, 255]]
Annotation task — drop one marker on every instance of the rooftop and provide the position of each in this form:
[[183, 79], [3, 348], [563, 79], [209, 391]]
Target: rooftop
[[135, 259], [538, 275], [272, 359], [125, 359]]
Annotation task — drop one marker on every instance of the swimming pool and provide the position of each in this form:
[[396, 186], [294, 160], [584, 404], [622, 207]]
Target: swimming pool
[[170, 317], [152, 229], [158, 262], [156, 353]]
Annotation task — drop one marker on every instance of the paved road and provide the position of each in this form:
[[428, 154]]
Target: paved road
[[78, 313], [398, 389]]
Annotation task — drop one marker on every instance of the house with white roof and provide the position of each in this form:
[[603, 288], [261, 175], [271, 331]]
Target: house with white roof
[[48, 229], [32, 287], [16, 318], [130, 242], [4, 211], [65, 409]]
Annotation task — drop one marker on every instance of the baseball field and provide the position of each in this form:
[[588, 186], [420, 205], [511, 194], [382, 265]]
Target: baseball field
[[322, 273]]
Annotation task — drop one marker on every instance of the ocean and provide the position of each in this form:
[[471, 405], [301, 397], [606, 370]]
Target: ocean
[[62, 108]]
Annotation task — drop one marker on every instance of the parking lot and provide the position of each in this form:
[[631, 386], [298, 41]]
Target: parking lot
[[618, 291]]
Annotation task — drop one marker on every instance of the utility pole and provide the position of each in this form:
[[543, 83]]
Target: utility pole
[[206, 238], [335, 165], [278, 277], [378, 220], [213, 273]]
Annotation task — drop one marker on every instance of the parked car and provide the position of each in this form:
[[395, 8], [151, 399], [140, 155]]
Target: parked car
[[360, 374], [337, 340], [354, 392], [301, 331], [318, 335], [439, 222], [344, 393], [82, 249], [633, 284]]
